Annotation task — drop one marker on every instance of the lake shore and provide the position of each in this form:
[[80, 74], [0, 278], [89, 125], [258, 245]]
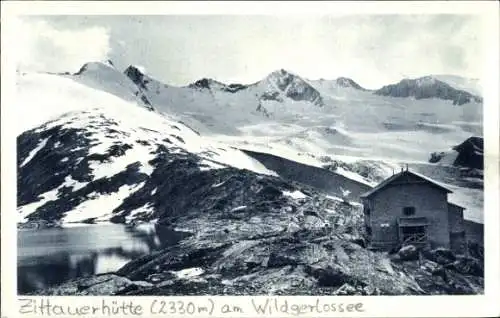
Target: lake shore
[[78, 250]]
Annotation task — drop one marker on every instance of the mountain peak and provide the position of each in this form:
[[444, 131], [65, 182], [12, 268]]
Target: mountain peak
[[134, 69], [136, 74], [292, 86], [207, 83], [137, 68], [329, 85], [423, 81], [282, 78], [281, 73], [348, 82], [109, 63], [95, 66]]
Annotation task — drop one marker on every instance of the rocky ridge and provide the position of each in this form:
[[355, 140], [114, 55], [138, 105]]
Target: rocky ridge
[[428, 87]]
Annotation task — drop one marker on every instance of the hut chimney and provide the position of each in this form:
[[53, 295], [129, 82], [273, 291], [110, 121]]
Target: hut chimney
[[401, 169], [406, 167]]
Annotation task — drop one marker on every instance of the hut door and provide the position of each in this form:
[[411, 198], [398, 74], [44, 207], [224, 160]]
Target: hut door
[[416, 235]]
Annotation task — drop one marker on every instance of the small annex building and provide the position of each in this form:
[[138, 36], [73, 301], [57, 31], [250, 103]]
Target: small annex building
[[409, 208]]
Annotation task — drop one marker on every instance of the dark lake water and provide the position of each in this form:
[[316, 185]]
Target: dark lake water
[[52, 256]]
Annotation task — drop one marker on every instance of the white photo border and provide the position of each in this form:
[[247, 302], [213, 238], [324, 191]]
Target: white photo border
[[375, 306]]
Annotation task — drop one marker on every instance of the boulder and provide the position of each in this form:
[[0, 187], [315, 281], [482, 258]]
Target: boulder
[[346, 289], [280, 259], [470, 153], [440, 255], [100, 285], [468, 266], [359, 241], [330, 276], [436, 157], [108, 287], [408, 253], [144, 284], [429, 266]]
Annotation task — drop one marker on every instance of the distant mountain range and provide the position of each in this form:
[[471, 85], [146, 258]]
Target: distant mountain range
[[282, 84]]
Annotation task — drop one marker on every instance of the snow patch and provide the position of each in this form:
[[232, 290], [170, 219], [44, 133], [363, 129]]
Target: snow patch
[[147, 209], [353, 176], [206, 165], [34, 152], [334, 198], [188, 272], [25, 210], [218, 184], [146, 168], [239, 208], [70, 182], [295, 194], [100, 206]]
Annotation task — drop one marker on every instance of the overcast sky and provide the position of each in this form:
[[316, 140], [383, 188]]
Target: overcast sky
[[372, 50]]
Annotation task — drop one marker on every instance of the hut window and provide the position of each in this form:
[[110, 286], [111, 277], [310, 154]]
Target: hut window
[[409, 210]]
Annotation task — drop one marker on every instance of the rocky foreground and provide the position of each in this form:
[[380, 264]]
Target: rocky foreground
[[267, 242]]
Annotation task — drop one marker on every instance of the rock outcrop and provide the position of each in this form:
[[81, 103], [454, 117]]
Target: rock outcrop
[[428, 87], [470, 153]]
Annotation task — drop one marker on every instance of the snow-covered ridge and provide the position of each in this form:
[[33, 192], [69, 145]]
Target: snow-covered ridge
[[471, 85], [278, 86], [339, 83], [297, 88], [211, 107], [96, 66], [104, 76], [103, 137]]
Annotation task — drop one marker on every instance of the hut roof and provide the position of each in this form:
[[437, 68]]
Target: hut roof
[[401, 175], [456, 205]]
